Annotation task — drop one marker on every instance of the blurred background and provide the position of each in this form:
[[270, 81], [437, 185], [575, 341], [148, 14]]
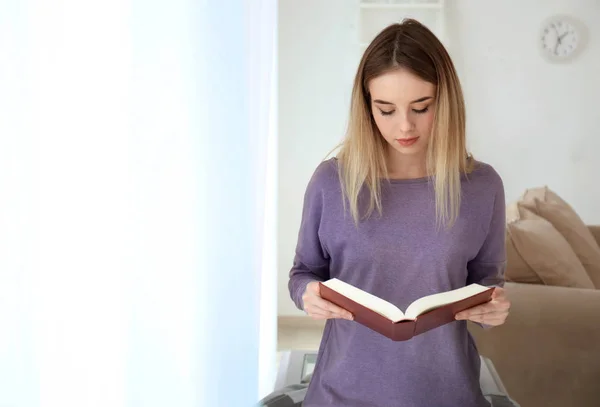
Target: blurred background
[[153, 161], [136, 172]]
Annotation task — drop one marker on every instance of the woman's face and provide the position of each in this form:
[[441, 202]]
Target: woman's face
[[403, 108]]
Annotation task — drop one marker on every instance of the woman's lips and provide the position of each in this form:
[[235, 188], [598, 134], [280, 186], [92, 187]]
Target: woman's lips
[[407, 141]]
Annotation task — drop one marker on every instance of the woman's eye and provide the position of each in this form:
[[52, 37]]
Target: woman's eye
[[390, 112]]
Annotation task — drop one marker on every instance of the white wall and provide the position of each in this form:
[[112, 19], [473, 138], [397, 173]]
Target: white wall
[[318, 56], [536, 122]]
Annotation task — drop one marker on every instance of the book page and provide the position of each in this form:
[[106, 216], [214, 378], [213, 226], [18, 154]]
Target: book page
[[431, 302], [370, 301]]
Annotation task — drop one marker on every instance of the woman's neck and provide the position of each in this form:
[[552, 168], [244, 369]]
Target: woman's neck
[[402, 166]]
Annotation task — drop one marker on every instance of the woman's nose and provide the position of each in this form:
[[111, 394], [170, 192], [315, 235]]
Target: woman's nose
[[406, 124]]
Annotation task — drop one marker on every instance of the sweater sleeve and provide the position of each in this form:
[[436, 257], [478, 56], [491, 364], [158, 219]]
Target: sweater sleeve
[[311, 260], [488, 266]]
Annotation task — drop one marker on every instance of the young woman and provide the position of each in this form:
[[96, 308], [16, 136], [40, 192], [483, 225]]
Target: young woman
[[402, 212]]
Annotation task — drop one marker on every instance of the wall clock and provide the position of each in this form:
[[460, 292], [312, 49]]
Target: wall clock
[[561, 38]]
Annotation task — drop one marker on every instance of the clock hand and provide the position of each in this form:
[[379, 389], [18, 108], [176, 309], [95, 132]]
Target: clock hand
[[563, 36], [558, 38]]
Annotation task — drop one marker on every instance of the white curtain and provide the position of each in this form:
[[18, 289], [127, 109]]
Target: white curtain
[[137, 145]]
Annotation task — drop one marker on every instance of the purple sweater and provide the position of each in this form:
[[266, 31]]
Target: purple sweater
[[399, 257]]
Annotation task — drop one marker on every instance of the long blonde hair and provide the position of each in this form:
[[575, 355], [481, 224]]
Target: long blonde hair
[[409, 45]]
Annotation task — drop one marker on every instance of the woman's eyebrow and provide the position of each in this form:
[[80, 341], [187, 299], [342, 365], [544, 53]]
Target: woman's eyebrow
[[383, 102]]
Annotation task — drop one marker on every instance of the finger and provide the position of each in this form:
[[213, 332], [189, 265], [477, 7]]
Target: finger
[[480, 309], [328, 306], [504, 304], [316, 309], [483, 319], [488, 315], [320, 314], [470, 314], [498, 292], [346, 315], [492, 306], [316, 312], [314, 288]]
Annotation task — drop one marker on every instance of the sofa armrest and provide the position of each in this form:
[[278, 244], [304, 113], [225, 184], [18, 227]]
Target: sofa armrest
[[595, 229], [547, 352]]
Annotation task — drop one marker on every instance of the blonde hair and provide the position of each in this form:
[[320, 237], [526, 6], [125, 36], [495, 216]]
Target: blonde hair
[[409, 45]]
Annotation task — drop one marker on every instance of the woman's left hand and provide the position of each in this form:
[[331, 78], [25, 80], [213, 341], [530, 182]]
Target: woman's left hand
[[492, 313]]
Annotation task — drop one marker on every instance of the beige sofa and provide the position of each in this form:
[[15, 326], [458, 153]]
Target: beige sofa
[[548, 350]]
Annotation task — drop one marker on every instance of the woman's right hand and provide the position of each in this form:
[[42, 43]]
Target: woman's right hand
[[318, 308]]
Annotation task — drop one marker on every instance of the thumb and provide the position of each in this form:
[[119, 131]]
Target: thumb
[[498, 292]]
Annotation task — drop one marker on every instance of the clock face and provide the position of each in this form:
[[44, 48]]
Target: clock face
[[559, 39]]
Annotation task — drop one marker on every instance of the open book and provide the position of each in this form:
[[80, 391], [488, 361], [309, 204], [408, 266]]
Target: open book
[[422, 315]]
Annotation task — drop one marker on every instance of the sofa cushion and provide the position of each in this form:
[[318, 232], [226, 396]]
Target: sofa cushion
[[547, 253], [564, 219], [543, 194], [512, 212], [517, 270]]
